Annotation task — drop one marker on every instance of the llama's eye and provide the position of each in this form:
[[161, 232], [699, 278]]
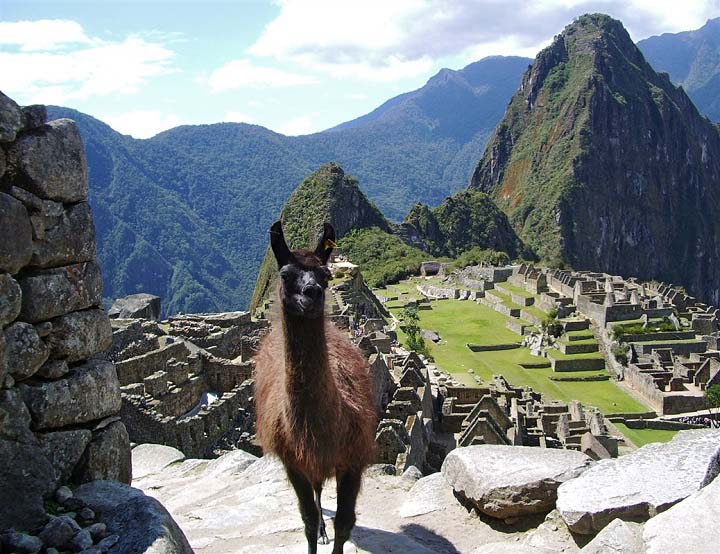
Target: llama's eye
[[285, 276]]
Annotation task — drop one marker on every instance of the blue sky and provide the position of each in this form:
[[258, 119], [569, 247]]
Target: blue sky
[[295, 66]]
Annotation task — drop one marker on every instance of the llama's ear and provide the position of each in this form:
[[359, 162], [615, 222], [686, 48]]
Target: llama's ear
[[326, 244], [278, 244]]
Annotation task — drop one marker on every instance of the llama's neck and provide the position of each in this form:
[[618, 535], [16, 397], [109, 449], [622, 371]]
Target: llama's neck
[[306, 356]]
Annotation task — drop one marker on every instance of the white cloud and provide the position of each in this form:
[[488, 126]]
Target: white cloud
[[142, 123], [239, 117], [356, 96], [302, 125], [385, 41], [42, 34], [68, 65], [243, 73]]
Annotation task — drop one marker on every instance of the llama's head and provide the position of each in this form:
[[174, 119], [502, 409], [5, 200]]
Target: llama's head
[[304, 274]]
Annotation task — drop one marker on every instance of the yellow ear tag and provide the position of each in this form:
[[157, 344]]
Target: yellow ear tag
[[328, 244]]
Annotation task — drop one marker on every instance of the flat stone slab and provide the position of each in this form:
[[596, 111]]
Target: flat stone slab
[[429, 494], [691, 523], [619, 537], [153, 458], [511, 481], [638, 486]]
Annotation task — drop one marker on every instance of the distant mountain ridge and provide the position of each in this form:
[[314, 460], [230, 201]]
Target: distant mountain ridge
[[603, 164], [185, 214], [692, 58]]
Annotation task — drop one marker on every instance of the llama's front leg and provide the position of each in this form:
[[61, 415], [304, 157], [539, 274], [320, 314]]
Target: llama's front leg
[[308, 509], [322, 534], [348, 487]]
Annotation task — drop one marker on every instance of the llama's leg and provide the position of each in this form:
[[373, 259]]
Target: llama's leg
[[322, 534], [308, 510], [348, 487]]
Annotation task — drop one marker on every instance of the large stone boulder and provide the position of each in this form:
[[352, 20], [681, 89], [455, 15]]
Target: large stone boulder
[[26, 476], [511, 481], [692, 523], [91, 392], [107, 457], [11, 118], [16, 233], [67, 235], [63, 449], [142, 523], [79, 335], [49, 293], [136, 306], [639, 485], [153, 458], [25, 351], [50, 162]]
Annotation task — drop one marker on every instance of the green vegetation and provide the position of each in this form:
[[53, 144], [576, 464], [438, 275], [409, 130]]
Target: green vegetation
[[641, 437], [384, 258], [477, 256], [413, 336], [712, 397], [619, 331], [621, 353], [460, 323]]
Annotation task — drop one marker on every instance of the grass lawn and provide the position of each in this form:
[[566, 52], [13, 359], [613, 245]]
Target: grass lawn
[[516, 290], [557, 355], [641, 437], [459, 323], [589, 340]]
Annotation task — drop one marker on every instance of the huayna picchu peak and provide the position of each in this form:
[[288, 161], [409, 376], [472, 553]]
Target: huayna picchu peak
[[600, 162]]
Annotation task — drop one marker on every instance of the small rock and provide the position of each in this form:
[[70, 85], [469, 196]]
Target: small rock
[[63, 494], [412, 473], [69, 518], [108, 542], [9, 299], [92, 550], [53, 369], [52, 550], [25, 350], [619, 537], [87, 514], [97, 530], [74, 504], [57, 533], [21, 543], [81, 541]]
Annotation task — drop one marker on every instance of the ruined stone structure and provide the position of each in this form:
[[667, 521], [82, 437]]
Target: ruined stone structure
[[187, 382], [59, 401], [502, 414]]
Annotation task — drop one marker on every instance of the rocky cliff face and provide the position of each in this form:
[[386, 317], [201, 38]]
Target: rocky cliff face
[[601, 162], [58, 402], [326, 195]]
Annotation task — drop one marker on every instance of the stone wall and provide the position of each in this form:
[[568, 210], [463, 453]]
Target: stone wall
[[58, 402]]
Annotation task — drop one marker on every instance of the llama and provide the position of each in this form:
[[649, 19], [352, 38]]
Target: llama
[[314, 402]]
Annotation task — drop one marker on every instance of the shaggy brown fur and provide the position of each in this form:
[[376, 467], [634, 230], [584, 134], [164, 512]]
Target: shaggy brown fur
[[314, 405]]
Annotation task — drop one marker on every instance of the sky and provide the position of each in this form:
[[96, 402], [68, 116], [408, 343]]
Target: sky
[[294, 66]]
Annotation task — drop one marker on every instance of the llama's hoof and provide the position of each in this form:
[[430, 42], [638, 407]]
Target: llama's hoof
[[322, 537]]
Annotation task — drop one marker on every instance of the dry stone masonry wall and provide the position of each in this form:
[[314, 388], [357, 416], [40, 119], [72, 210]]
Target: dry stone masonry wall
[[59, 402]]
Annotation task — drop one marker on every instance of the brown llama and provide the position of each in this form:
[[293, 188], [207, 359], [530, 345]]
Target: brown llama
[[314, 402]]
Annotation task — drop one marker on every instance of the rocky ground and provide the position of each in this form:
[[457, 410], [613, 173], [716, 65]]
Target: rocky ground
[[241, 504]]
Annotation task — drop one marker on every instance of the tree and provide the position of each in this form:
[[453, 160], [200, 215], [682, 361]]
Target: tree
[[712, 397], [415, 340]]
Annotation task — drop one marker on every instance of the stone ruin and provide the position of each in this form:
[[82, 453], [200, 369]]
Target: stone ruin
[[187, 382], [502, 414], [59, 401]]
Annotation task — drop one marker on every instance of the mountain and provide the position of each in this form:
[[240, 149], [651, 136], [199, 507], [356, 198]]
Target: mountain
[[602, 163], [326, 196], [692, 59], [468, 219], [185, 214]]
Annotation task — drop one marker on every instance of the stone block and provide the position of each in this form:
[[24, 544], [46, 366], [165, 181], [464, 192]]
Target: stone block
[[53, 369], [90, 392], [25, 351], [79, 335], [35, 116], [50, 293], [10, 299], [3, 163], [27, 476], [51, 162], [107, 457], [16, 233], [141, 522], [63, 449], [136, 306], [480, 475], [641, 484], [11, 119], [66, 238]]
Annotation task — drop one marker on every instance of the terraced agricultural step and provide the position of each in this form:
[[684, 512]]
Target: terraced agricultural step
[[576, 364], [578, 347], [582, 336], [575, 324]]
